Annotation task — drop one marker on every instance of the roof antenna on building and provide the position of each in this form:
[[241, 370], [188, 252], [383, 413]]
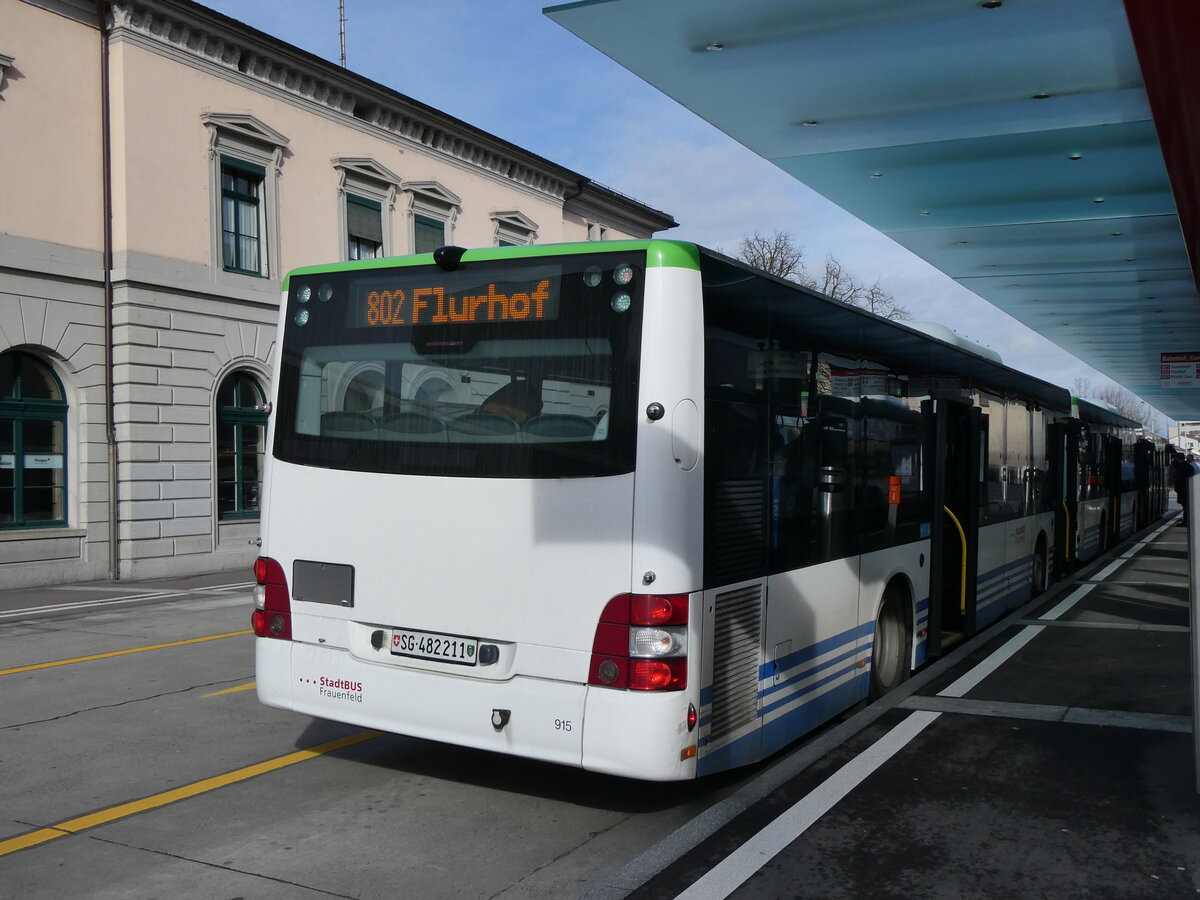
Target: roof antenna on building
[[342, 28]]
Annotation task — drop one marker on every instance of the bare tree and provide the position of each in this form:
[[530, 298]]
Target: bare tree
[[842, 285], [836, 282], [1128, 404], [779, 254]]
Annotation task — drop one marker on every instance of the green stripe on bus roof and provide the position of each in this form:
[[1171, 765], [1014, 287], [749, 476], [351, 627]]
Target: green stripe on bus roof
[[659, 254]]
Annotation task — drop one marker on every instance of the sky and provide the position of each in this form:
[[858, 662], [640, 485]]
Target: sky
[[502, 66]]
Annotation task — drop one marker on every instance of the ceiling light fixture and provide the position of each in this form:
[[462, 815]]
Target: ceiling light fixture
[[1040, 95], [992, 4], [714, 46]]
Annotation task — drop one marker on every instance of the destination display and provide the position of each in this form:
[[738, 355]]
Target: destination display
[[401, 298], [1179, 370]]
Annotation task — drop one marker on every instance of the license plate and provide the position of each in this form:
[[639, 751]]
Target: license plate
[[446, 648]]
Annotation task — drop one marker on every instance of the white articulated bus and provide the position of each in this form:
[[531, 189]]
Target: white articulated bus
[[1099, 485], [630, 506]]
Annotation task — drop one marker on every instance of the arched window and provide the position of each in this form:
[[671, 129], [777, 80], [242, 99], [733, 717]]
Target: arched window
[[365, 392], [241, 433], [33, 427]]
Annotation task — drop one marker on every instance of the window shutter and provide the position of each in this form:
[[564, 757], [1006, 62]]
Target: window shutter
[[364, 219]]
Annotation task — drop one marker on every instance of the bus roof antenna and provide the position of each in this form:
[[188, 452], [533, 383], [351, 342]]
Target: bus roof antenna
[[448, 258]]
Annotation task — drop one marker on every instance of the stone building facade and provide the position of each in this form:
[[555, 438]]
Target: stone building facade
[[163, 167]]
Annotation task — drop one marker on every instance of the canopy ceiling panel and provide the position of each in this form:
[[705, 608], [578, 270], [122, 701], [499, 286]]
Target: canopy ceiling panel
[[1013, 145]]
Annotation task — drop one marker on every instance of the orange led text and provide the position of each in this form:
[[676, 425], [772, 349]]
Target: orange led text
[[428, 305]]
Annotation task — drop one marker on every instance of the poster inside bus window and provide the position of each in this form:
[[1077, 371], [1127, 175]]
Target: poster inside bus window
[[404, 297]]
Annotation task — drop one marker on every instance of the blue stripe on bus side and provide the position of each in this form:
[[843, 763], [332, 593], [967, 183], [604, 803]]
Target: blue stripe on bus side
[[922, 649], [820, 648], [815, 702], [766, 671], [1090, 542], [994, 586], [774, 735], [795, 693]]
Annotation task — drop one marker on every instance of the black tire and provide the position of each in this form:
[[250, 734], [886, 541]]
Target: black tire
[[892, 648], [1040, 570]]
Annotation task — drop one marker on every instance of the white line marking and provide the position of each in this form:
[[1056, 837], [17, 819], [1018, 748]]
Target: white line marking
[[92, 604], [1178, 584], [994, 661], [1113, 626], [98, 588], [728, 875], [1038, 712], [1063, 607]]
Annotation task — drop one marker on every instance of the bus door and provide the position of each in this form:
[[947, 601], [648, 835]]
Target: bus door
[[1064, 471], [1142, 451], [955, 442], [1119, 480]]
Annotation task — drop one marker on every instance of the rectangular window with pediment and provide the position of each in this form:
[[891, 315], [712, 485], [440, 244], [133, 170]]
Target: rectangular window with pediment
[[364, 228], [433, 210], [241, 216], [366, 193], [246, 157], [428, 234], [513, 229]]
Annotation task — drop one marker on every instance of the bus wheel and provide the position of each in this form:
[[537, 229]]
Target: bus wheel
[[1039, 567], [890, 655]]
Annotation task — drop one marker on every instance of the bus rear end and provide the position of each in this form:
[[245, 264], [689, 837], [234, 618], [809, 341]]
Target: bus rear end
[[460, 476]]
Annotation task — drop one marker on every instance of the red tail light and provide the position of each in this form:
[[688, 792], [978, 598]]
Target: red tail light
[[658, 609], [641, 643], [658, 674], [272, 617]]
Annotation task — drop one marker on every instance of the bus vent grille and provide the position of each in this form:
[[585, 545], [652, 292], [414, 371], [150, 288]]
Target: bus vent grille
[[735, 543], [735, 660]]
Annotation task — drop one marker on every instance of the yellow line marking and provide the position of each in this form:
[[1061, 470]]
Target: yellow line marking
[[79, 659], [233, 690], [113, 813]]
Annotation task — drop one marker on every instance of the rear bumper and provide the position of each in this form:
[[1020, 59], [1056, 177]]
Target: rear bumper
[[626, 733]]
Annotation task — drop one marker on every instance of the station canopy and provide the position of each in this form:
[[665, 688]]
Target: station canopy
[[1043, 153]]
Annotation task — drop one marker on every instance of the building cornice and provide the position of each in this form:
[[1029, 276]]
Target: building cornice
[[194, 34], [592, 200]]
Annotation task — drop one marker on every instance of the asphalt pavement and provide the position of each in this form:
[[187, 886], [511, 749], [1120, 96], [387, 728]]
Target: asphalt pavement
[[1052, 756]]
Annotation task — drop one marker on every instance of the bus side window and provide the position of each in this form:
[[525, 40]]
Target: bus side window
[[729, 369], [735, 532], [893, 500], [839, 422], [793, 490]]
